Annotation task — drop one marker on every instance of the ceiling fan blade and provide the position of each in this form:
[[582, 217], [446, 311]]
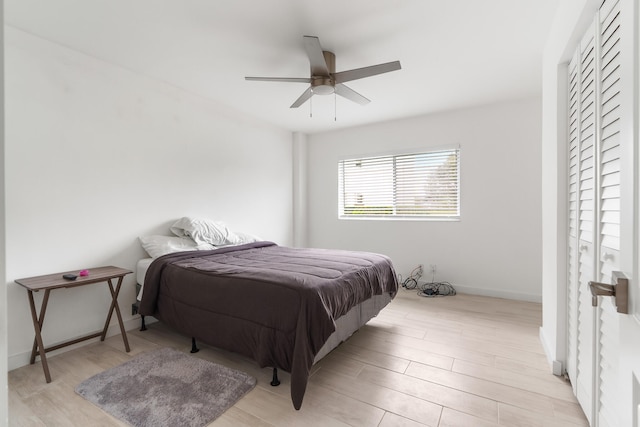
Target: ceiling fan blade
[[280, 79], [359, 73], [303, 98], [351, 94], [316, 57]]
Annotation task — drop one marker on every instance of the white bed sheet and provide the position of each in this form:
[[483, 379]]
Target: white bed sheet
[[141, 271]]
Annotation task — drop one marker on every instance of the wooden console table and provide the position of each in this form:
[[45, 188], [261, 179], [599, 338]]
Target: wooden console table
[[56, 281]]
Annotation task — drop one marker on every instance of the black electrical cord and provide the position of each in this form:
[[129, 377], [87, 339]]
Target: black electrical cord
[[411, 282], [432, 289], [436, 289]]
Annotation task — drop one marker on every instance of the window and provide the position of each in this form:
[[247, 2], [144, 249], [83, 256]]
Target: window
[[417, 185]]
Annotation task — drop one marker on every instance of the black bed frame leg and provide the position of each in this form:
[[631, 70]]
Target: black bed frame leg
[[275, 381], [144, 326], [194, 348]]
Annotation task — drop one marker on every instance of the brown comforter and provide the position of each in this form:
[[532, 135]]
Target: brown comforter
[[275, 304]]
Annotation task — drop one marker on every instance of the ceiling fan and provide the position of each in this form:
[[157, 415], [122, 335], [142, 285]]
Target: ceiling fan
[[324, 80]]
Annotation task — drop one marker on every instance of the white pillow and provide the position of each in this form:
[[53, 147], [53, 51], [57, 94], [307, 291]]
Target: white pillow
[[205, 231], [243, 238], [161, 245]]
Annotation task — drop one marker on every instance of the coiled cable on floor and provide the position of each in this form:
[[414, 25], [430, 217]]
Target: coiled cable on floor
[[435, 289], [432, 289], [411, 282]]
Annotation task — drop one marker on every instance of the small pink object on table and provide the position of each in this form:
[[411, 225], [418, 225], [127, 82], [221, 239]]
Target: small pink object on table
[[84, 273]]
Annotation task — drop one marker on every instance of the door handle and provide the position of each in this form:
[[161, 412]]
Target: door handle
[[619, 290]]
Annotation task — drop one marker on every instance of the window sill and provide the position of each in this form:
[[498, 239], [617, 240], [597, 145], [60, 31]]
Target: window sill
[[399, 218]]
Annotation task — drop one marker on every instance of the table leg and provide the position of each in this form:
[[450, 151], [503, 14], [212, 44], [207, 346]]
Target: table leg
[[43, 309], [114, 306], [37, 325]]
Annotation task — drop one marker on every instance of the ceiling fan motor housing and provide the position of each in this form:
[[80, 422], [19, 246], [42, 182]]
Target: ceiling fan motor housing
[[325, 85]]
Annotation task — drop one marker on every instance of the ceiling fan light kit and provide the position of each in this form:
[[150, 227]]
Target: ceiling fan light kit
[[322, 86], [324, 80]]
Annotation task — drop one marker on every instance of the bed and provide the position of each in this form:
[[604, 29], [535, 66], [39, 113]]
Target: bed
[[283, 307]]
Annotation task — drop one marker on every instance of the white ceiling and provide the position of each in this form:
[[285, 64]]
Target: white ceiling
[[454, 53]]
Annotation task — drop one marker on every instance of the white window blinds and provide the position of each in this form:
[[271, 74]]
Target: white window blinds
[[423, 185]]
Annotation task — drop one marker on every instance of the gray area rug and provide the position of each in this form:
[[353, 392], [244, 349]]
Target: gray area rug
[[166, 388]]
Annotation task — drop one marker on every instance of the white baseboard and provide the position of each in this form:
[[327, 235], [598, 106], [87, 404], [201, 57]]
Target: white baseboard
[[22, 359], [496, 293], [556, 366]]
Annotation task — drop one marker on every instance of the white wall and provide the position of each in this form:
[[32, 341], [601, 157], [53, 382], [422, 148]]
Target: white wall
[[300, 195], [570, 23], [97, 155], [4, 397], [495, 249]]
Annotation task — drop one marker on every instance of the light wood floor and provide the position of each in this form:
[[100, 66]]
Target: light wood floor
[[450, 361]]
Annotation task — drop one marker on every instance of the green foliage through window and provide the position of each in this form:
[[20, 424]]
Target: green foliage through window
[[423, 185]]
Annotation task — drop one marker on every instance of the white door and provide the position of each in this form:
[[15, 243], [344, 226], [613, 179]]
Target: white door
[[618, 335], [603, 360], [610, 115], [582, 207]]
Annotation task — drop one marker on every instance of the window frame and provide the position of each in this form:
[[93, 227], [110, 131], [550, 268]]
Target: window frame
[[393, 155]]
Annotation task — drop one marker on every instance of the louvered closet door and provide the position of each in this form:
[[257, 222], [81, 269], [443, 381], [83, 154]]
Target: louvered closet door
[[594, 220], [572, 255], [609, 162], [581, 234]]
